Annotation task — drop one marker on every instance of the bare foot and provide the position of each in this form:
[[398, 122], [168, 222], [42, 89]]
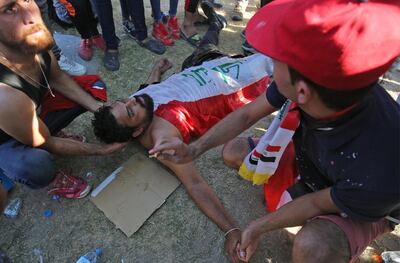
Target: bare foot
[[188, 30], [188, 27]]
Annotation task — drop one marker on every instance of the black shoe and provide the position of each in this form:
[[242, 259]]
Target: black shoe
[[212, 16], [153, 45], [111, 61], [247, 49]]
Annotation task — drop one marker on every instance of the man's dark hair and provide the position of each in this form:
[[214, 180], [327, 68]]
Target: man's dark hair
[[107, 129], [334, 99]]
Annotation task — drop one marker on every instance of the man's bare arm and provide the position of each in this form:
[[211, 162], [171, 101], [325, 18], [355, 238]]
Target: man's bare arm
[[207, 200], [294, 213], [67, 86], [225, 130], [18, 119], [198, 189]]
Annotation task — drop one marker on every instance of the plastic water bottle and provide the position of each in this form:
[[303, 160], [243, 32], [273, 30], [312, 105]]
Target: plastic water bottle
[[12, 209], [391, 256], [91, 257]]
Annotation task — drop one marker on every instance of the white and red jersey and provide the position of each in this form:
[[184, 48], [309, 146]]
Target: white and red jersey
[[198, 97]]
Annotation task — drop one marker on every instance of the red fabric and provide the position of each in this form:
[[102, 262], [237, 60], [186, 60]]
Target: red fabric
[[194, 118], [339, 44], [70, 8], [271, 148], [59, 102], [187, 2], [283, 178]]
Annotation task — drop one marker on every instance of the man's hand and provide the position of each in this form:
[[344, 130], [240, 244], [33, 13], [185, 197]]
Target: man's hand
[[231, 243], [163, 65], [159, 68], [174, 150], [249, 242]]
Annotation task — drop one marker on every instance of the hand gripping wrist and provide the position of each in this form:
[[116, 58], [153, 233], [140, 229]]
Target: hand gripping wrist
[[230, 231]]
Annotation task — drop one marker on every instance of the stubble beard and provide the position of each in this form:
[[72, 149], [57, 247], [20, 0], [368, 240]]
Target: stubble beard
[[44, 42]]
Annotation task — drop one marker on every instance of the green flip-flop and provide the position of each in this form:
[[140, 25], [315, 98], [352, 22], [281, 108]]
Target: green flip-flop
[[193, 40]]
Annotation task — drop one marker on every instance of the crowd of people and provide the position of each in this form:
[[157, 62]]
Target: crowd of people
[[329, 161]]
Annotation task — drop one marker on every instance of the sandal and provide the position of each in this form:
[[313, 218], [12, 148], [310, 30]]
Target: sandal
[[193, 40], [152, 45]]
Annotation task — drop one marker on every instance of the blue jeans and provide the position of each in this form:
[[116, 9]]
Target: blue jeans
[[156, 8], [33, 166], [24, 164], [136, 9]]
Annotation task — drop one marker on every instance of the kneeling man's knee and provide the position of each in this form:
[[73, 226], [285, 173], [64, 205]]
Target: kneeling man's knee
[[37, 170], [321, 241], [229, 156], [235, 151]]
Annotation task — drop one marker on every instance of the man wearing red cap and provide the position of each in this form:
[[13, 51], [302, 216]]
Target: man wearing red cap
[[328, 56]]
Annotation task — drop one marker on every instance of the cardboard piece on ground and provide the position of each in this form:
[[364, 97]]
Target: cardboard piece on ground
[[137, 191]]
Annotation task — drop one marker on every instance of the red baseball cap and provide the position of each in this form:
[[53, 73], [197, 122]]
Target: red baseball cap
[[339, 44]]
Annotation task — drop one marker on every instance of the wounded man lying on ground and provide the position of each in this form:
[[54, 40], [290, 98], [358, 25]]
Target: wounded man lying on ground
[[185, 106]]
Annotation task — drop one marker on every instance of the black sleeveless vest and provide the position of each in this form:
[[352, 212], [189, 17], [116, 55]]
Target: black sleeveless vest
[[10, 78]]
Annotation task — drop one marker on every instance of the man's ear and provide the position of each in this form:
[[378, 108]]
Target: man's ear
[[303, 92], [137, 132]]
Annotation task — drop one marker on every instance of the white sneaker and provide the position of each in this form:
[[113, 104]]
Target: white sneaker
[[71, 67]]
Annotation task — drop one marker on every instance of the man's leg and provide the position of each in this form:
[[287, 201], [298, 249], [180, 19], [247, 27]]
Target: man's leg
[[83, 18], [207, 48], [236, 150], [106, 19], [136, 9], [217, 23], [160, 31], [190, 17], [34, 166], [321, 241], [332, 238], [31, 166], [105, 14]]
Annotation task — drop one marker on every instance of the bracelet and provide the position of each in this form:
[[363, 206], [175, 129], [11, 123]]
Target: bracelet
[[231, 230]]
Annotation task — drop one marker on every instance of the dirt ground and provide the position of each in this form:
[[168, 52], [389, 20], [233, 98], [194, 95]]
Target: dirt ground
[[178, 231]]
